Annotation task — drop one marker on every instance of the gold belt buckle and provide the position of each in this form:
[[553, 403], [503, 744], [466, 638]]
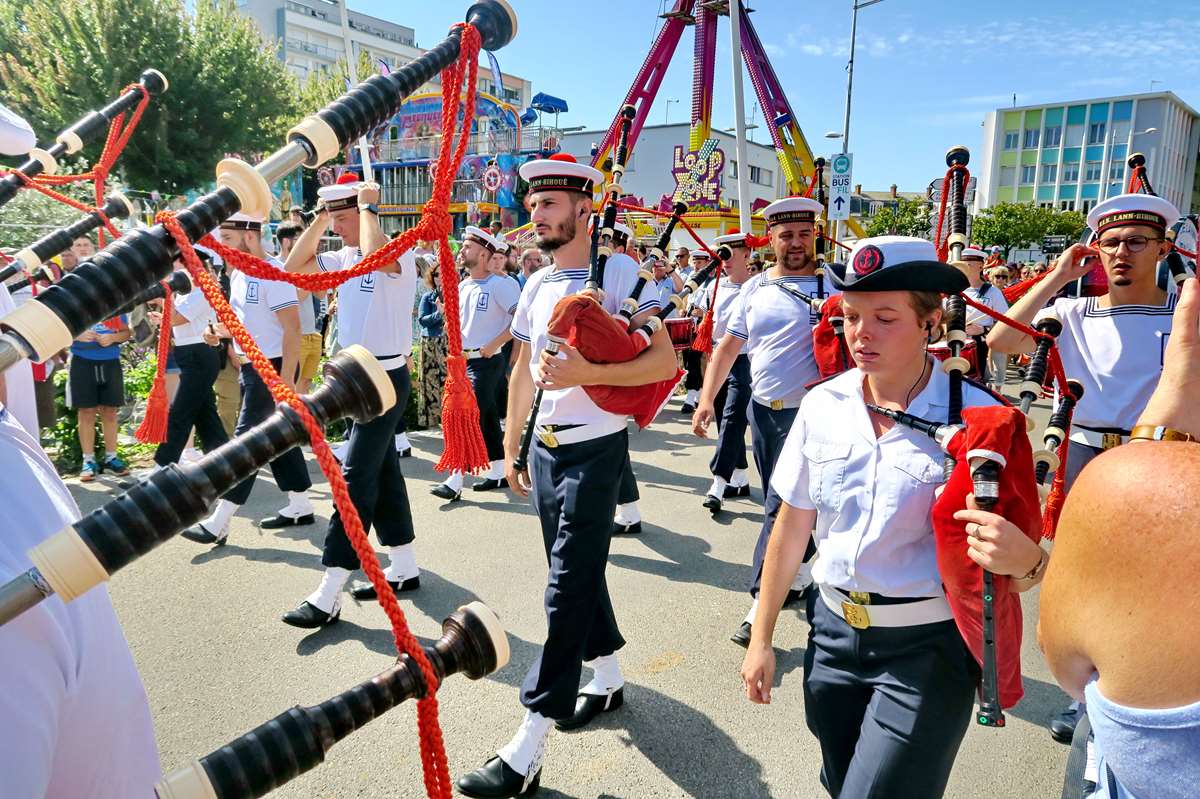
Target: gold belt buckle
[[860, 597], [856, 615], [1110, 440], [777, 405], [547, 437]]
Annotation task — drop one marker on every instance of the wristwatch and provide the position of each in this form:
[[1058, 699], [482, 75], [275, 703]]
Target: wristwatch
[[1150, 432], [369, 207]]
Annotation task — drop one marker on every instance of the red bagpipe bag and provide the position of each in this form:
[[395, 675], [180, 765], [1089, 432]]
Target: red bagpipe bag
[[998, 430], [833, 357], [600, 338]]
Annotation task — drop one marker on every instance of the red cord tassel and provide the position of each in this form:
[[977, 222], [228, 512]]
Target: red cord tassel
[[464, 448], [704, 333], [153, 429], [1058, 493]]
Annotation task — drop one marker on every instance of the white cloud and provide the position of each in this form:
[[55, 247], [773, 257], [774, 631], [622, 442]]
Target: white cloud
[[773, 49], [814, 49]]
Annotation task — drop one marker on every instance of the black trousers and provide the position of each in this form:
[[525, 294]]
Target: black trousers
[[691, 364], [372, 470], [195, 404], [731, 407], [770, 429], [889, 705], [486, 375], [288, 469], [628, 490], [575, 497]]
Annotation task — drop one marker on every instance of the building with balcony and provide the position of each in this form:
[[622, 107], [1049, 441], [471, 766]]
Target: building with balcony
[[1071, 155]]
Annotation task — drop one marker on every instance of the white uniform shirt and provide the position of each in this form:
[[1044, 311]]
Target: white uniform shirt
[[992, 298], [777, 329], [194, 307], [486, 308], [543, 290], [18, 378], [375, 309], [727, 294], [256, 302], [873, 497], [76, 719], [1116, 353]]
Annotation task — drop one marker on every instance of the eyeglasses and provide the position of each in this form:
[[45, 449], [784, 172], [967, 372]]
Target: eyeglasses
[[1134, 243]]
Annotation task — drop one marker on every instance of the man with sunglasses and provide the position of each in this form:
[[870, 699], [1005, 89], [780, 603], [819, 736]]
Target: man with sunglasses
[[1112, 344]]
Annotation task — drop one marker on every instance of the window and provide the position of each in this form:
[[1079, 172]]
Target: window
[[1092, 170], [1116, 170], [1011, 138], [733, 169], [1070, 173], [1008, 175], [1087, 205], [1031, 138], [1096, 133], [1028, 173], [1066, 205], [1074, 135], [1046, 205], [1049, 172], [760, 176], [1052, 136]]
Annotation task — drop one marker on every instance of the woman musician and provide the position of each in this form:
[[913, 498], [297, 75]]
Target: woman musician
[[888, 681]]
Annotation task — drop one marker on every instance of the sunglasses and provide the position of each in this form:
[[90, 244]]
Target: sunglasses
[[1134, 243]]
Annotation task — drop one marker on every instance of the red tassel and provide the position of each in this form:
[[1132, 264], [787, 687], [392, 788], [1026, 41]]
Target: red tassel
[[704, 333], [1058, 493], [464, 448], [153, 429]]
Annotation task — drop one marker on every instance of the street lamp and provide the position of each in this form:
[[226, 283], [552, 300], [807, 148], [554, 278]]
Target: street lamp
[[667, 110], [832, 134], [856, 4]]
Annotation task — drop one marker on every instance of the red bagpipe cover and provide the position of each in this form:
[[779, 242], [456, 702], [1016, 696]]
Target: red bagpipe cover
[[601, 338], [831, 353], [998, 429]]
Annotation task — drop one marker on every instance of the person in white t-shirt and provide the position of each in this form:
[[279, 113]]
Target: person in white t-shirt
[[374, 310], [268, 310]]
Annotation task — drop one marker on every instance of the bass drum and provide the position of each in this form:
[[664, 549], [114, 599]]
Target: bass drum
[[941, 351], [682, 333]]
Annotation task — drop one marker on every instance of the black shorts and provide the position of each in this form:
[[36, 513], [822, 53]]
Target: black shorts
[[96, 384]]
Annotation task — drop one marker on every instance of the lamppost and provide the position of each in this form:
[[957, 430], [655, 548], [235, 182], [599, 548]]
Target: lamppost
[[856, 5], [667, 110]]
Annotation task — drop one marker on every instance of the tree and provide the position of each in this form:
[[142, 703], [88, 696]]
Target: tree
[[904, 218], [31, 215], [1022, 225], [229, 93]]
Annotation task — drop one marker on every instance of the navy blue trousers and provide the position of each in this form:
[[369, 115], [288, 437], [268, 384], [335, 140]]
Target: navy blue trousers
[[288, 469], [731, 406], [770, 429], [889, 705], [575, 497], [372, 470], [486, 375], [195, 404]]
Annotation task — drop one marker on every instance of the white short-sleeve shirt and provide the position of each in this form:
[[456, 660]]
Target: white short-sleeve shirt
[[777, 328], [486, 308], [1116, 353], [76, 719], [193, 307], [543, 290], [873, 497], [375, 309], [727, 295], [990, 296], [256, 302]]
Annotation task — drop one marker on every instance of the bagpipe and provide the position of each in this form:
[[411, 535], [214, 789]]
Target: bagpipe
[[177, 496], [178, 284], [472, 643], [115, 206]]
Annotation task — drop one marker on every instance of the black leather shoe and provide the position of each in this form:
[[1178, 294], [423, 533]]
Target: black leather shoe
[[1062, 726], [712, 503], [444, 491], [742, 636], [687, 408], [626, 529], [202, 536], [489, 484], [588, 706], [279, 521], [496, 780], [737, 491], [367, 590], [405, 453], [310, 617]]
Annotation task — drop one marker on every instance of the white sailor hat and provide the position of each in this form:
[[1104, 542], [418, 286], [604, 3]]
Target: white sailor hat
[[734, 238], [560, 172], [1132, 209], [700, 254], [896, 263], [974, 252], [622, 233], [16, 136], [481, 236], [343, 194], [242, 221], [792, 209], [501, 244]]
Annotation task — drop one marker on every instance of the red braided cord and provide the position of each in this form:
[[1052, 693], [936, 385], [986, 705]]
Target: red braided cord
[[655, 212], [1184, 252], [835, 241], [153, 428], [703, 342], [937, 236]]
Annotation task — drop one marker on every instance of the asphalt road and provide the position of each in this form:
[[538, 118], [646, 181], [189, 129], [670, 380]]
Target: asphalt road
[[216, 660]]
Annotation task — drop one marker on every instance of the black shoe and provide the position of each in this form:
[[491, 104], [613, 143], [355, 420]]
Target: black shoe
[[1062, 726], [712, 503], [742, 636], [626, 529], [367, 590], [687, 408], [588, 706], [310, 617], [490, 484], [737, 491], [202, 536], [404, 453], [279, 521], [444, 491], [497, 780]]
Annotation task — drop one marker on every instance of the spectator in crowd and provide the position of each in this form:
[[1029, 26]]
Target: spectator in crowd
[[495, 227], [82, 248], [531, 261], [433, 346], [96, 386]]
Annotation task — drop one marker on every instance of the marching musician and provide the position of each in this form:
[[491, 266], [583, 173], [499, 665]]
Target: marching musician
[[774, 327], [889, 684], [269, 311], [693, 359], [373, 310], [578, 449], [992, 366], [1112, 344], [487, 301], [728, 464]]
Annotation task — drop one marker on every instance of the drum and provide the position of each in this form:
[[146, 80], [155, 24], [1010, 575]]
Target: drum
[[682, 332], [939, 350]]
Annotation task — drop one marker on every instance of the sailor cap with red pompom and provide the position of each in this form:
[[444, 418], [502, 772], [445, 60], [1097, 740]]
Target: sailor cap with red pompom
[[792, 209], [1132, 209], [734, 238], [342, 194], [560, 172], [896, 263]]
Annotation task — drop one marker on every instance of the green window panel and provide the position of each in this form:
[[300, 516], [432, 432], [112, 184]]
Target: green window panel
[[1025, 194], [1068, 192], [1099, 112], [1054, 116], [1122, 111], [1033, 119], [1095, 153], [1072, 153], [1005, 194], [1045, 193], [1012, 120], [1028, 157], [1050, 156], [1008, 159], [1089, 191], [1077, 115]]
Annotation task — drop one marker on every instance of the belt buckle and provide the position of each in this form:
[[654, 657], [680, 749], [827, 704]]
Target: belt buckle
[[777, 405], [856, 615], [1110, 440], [547, 437], [860, 597]]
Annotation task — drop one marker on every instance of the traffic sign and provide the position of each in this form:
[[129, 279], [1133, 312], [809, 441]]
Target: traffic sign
[[934, 192], [840, 186], [1053, 245]]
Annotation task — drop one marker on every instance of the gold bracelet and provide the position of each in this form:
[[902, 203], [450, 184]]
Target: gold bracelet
[[1043, 560], [1150, 432]]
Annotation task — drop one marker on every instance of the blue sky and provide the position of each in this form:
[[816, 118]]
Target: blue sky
[[925, 71]]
